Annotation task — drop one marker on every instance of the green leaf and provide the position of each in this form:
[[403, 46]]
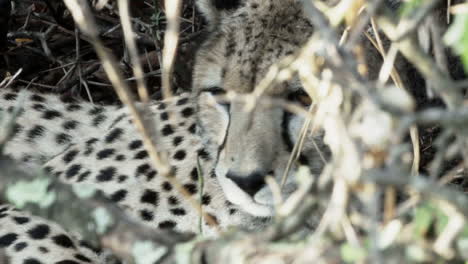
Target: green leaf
[[34, 191], [464, 232], [103, 220], [409, 7], [146, 252], [457, 37], [441, 220], [352, 254], [422, 219]]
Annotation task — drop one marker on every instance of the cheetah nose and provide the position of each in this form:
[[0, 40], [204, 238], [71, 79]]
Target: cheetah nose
[[250, 183]]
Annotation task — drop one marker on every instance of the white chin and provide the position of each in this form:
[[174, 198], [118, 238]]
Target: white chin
[[238, 197]]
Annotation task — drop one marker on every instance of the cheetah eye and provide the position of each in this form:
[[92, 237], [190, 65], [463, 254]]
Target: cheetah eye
[[217, 91], [301, 97]]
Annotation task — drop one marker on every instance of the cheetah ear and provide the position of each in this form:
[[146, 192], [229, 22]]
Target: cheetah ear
[[212, 10]]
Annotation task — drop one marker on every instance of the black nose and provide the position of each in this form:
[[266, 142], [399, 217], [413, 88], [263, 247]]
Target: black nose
[[250, 183]]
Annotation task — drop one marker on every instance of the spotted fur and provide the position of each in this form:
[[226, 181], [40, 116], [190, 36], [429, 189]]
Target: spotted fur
[[29, 239]]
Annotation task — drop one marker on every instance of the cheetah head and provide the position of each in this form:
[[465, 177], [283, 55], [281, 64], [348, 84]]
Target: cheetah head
[[245, 38]]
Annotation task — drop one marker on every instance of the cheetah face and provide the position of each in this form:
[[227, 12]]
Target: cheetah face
[[246, 38]]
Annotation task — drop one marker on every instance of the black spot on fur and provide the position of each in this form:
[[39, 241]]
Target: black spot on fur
[[167, 186], [120, 157], [39, 231], [150, 197], [167, 130], [162, 106], [62, 138], [177, 140], [31, 261], [190, 188], [178, 211], [106, 174], [98, 120], [105, 153], [8, 239], [122, 178], [69, 125], [83, 176], [96, 110], [70, 156], [172, 200], [63, 241], [203, 154], [17, 128], [51, 114], [194, 174], [37, 98], [118, 119], [146, 215], [36, 132], [151, 174], [39, 107], [43, 250], [91, 141], [10, 96], [114, 135], [73, 107], [182, 101], [206, 199], [167, 224], [192, 128], [119, 195], [21, 220], [142, 169], [187, 112], [141, 155], [164, 116], [20, 246], [180, 155], [72, 171], [136, 144]]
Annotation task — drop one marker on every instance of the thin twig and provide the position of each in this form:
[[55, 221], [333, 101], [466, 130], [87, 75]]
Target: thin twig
[[171, 39]]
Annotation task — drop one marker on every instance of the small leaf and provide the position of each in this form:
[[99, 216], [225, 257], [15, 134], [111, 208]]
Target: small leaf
[[84, 191], [423, 219], [409, 7], [352, 254], [146, 252], [457, 37], [102, 219], [35, 191]]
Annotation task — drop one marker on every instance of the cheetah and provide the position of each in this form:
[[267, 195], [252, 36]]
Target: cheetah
[[230, 150], [31, 239]]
